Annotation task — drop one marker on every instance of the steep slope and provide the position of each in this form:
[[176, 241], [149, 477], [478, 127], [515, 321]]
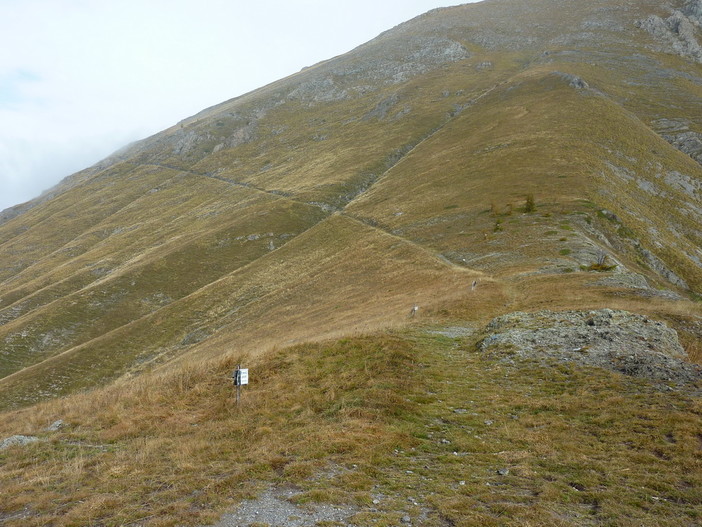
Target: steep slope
[[519, 143], [526, 174]]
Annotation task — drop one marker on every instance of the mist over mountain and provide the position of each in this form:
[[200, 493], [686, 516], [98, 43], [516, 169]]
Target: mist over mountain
[[83, 79], [521, 178]]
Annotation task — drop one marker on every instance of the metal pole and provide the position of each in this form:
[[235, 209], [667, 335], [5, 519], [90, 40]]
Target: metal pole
[[238, 384]]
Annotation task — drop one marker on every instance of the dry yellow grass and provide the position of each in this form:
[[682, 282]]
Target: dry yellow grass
[[161, 447], [221, 255], [331, 223], [401, 415], [693, 348]]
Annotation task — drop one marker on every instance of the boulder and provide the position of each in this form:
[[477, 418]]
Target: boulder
[[18, 440]]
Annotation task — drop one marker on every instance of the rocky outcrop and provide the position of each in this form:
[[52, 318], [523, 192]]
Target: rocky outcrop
[[689, 143], [394, 62], [573, 80], [620, 341], [693, 9], [678, 133], [383, 108], [17, 440], [678, 31]]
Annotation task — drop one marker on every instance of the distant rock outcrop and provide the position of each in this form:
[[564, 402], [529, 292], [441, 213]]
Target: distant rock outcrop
[[677, 132], [687, 142], [677, 31], [573, 80]]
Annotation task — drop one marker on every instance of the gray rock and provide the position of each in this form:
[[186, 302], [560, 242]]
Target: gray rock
[[662, 270], [573, 80], [18, 440], [503, 471], [274, 507], [611, 216], [691, 186], [319, 90], [693, 10], [56, 426], [406, 519], [677, 32], [382, 109], [689, 143], [625, 342], [669, 126]]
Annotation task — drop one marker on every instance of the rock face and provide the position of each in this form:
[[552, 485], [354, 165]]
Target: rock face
[[677, 31], [56, 426], [629, 343], [687, 142], [693, 9], [678, 133]]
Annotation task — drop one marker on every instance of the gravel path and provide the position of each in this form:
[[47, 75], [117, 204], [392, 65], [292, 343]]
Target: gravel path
[[274, 508]]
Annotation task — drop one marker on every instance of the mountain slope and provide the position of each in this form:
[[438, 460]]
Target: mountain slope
[[282, 214], [463, 263]]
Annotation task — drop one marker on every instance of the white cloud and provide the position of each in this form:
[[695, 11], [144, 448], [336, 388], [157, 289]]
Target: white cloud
[[80, 78]]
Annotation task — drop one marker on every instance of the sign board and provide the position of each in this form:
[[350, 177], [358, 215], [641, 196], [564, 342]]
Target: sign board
[[241, 377]]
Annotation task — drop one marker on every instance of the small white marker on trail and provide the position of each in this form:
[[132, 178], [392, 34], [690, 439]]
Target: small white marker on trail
[[240, 376]]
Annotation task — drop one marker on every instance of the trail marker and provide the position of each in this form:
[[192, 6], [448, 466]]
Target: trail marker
[[240, 377]]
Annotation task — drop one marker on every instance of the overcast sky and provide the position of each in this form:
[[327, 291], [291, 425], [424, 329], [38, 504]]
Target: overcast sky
[[81, 78]]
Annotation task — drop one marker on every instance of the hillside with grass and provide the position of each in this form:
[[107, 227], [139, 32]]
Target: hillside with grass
[[463, 263]]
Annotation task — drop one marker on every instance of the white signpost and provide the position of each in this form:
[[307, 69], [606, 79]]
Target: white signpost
[[241, 377]]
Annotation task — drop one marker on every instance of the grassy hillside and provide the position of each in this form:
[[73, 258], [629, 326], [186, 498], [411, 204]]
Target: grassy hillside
[[476, 161], [416, 420], [435, 134]]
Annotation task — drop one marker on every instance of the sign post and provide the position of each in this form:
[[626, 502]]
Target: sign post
[[241, 377]]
